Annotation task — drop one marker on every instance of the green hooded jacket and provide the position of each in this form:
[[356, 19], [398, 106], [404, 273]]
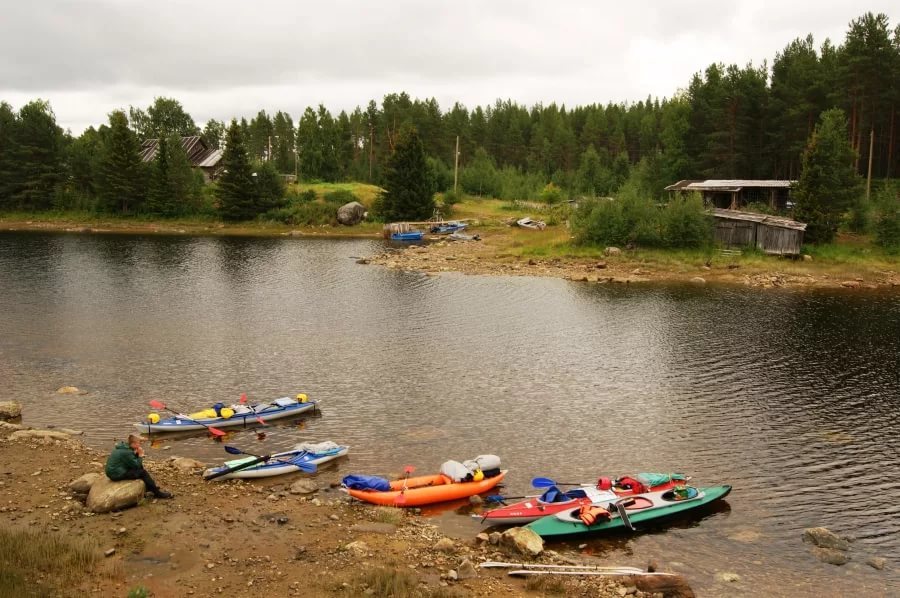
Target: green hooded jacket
[[120, 461]]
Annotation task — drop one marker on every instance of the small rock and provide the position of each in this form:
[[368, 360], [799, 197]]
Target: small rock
[[728, 577], [109, 552], [67, 390], [121, 531], [483, 537], [475, 500], [185, 464], [334, 517], [807, 257], [304, 486], [494, 538], [876, 562], [272, 497], [210, 565], [466, 570], [362, 260], [600, 265], [825, 538], [316, 502], [359, 547], [831, 556], [452, 575], [698, 280], [523, 540], [10, 410], [851, 284], [282, 520], [612, 251], [445, 545]]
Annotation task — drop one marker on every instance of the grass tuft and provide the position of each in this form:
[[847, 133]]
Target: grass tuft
[[389, 583], [27, 557], [389, 515]]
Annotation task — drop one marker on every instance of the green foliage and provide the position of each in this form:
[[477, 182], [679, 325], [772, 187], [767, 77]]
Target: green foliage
[[237, 191], [479, 177], [270, 187], [551, 194], [448, 200], [122, 175], [138, 592], [440, 174], [593, 177], [340, 197], [685, 223], [887, 217], [164, 118], [828, 184], [31, 152], [214, 133], [408, 193]]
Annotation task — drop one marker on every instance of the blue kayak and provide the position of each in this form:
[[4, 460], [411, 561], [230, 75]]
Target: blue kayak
[[243, 415], [281, 463]]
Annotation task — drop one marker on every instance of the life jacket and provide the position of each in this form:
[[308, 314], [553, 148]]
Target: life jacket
[[631, 484], [590, 514]]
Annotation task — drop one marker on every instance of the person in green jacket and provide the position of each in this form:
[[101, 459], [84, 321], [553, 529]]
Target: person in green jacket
[[125, 463]]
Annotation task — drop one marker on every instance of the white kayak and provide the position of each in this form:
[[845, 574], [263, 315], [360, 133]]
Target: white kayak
[[244, 415], [281, 463]]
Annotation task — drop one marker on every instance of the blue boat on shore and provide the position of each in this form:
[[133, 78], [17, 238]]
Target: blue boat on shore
[[446, 228], [412, 235]]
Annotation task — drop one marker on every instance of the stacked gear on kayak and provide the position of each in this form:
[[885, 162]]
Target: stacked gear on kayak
[[472, 470]]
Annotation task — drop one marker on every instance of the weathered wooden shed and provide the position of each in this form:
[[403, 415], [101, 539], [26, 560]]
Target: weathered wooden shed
[[200, 155], [734, 193], [770, 234]]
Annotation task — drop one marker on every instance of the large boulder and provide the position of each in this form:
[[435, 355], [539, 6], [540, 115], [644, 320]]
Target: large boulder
[[10, 410], [825, 538], [106, 495], [304, 486], [186, 464], [523, 540], [671, 585], [351, 213], [83, 484]]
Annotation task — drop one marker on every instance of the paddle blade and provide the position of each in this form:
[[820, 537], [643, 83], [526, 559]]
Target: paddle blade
[[307, 467], [262, 421], [215, 431], [400, 500], [408, 469], [542, 483], [233, 450], [157, 404], [243, 398], [495, 498]]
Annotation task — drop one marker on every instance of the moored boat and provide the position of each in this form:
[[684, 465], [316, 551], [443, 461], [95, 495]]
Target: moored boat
[[624, 513], [280, 463], [412, 235], [553, 500], [445, 228], [226, 417]]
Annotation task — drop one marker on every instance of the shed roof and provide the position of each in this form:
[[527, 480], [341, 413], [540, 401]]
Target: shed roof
[[198, 153], [681, 184], [762, 218]]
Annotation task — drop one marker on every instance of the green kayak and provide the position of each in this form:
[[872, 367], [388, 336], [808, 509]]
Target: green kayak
[[642, 508]]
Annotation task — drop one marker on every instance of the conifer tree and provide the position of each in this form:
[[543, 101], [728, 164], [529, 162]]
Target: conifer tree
[[121, 173], [159, 195], [36, 157], [408, 193], [828, 184], [238, 194]]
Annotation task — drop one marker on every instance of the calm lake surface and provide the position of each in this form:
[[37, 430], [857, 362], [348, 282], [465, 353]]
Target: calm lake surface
[[791, 397]]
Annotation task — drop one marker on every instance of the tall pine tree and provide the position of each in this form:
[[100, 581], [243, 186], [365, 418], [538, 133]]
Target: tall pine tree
[[828, 184], [408, 192], [237, 193], [121, 182]]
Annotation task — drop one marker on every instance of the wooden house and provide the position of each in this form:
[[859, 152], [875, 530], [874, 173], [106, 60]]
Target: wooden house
[[770, 234], [199, 154], [733, 194]]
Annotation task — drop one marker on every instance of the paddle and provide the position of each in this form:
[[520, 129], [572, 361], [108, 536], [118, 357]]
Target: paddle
[[161, 405], [547, 482], [237, 467], [501, 498], [304, 467], [400, 499]]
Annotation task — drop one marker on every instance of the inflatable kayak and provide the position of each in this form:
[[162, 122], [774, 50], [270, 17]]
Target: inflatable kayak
[[237, 415], [281, 463], [624, 513], [554, 500], [425, 490]]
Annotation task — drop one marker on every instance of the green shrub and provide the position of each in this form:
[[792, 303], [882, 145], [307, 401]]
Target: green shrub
[[626, 219], [551, 194], [448, 200], [685, 223], [887, 217], [304, 214]]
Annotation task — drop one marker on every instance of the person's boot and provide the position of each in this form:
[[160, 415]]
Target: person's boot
[[163, 494]]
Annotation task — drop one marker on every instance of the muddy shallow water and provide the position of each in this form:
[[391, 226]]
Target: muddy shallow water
[[791, 397]]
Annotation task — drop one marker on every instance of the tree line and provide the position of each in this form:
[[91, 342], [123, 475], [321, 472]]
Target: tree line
[[729, 122]]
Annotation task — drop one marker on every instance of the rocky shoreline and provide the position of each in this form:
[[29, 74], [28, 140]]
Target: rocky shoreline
[[617, 267], [295, 537]]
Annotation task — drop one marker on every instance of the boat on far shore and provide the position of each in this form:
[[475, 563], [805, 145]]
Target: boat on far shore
[[531, 224]]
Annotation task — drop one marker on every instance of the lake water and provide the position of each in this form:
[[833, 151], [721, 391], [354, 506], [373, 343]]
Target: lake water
[[791, 397]]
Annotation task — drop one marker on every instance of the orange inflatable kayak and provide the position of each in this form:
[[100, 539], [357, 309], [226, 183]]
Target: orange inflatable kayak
[[425, 490]]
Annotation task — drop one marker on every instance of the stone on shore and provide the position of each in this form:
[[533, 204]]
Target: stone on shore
[[106, 495], [698, 280], [39, 434], [445, 545], [876, 562], [304, 486], [670, 586], [612, 251], [68, 390], [351, 213], [186, 464], [10, 410], [832, 556], [83, 484], [466, 570], [8, 427], [825, 538], [523, 540]]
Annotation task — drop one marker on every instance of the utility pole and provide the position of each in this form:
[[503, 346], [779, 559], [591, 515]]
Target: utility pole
[[869, 177], [371, 149], [456, 165], [296, 167], [269, 154]]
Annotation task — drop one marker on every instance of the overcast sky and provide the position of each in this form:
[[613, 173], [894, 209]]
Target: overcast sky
[[225, 58]]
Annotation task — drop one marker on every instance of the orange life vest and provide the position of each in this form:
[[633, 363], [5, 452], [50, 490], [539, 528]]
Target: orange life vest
[[589, 514]]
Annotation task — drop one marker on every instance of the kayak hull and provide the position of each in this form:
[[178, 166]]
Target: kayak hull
[[277, 465], [566, 523], [425, 490], [181, 423]]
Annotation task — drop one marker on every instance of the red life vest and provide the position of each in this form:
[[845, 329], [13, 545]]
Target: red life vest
[[631, 484]]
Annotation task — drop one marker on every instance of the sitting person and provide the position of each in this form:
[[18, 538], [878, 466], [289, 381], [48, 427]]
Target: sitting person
[[125, 463]]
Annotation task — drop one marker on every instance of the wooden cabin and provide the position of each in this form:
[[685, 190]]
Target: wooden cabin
[[200, 155], [732, 194], [770, 234]]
